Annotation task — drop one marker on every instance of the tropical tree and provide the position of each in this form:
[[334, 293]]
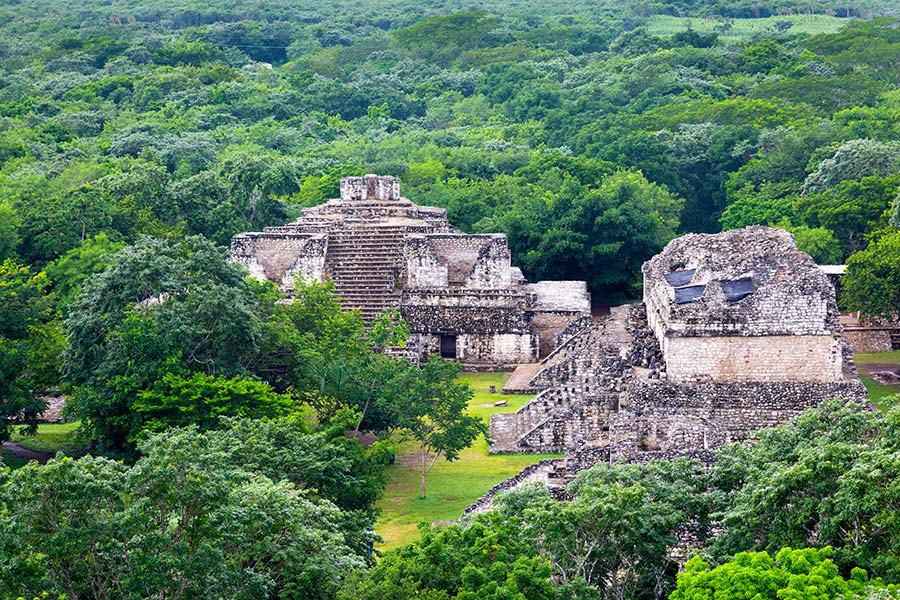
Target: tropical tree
[[807, 573], [182, 521], [160, 307], [30, 345], [872, 282], [828, 478], [488, 559], [430, 406]]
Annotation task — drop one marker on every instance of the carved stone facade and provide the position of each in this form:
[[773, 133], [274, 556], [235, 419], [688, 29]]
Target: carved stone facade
[[738, 331], [459, 293]]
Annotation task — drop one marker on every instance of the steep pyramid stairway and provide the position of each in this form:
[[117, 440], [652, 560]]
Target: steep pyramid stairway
[[364, 261]]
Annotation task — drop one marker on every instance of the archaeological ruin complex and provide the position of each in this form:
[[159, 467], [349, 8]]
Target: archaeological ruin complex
[[458, 292], [737, 331]]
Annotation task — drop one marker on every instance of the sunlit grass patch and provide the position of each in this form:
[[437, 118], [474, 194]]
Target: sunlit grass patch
[[450, 487], [741, 29], [52, 438]]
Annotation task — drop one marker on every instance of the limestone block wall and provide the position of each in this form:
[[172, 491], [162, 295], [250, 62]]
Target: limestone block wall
[[561, 296], [281, 257], [492, 268], [479, 261], [720, 412], [649, 394], [549, 326], [310, 263], [868, 340], [557, 305], [496, 347], [483, 348], [759, 358], [465, 311], [786, 309], [370, 187], [424, 268]]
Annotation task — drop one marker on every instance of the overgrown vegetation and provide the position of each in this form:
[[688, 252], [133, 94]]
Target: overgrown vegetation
[[826, 482], [138, 137]]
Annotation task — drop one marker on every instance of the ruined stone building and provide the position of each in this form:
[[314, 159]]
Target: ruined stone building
[[737, 331], [458, 292], [864, 334]]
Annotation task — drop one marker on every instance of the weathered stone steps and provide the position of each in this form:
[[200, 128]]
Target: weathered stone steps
[[363, 262]]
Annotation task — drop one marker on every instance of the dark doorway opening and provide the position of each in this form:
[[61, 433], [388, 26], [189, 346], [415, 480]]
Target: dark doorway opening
[[448, 346]]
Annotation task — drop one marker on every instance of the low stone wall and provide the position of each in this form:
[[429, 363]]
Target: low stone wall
[[863, 341], [465, 319], [647, 395], [550, 325], [528, 473]]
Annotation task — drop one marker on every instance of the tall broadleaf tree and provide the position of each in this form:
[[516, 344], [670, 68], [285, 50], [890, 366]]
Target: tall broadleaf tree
[[429, 405]]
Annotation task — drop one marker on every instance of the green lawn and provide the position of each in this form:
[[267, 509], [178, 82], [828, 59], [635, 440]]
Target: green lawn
[[52, 438], [744, 28], [878, 392], [451, 487]]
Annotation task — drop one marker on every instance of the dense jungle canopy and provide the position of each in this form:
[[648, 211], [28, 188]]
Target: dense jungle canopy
[[138, 136]]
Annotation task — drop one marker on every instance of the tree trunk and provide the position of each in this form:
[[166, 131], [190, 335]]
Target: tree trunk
[[423, 471]]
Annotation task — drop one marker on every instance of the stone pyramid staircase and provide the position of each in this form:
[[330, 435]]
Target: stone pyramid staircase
[[364, 261]]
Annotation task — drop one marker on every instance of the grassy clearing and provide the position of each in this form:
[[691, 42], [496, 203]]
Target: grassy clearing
[[451, 487], [878, 392], [52, 438], [742, 29], [878, 358]]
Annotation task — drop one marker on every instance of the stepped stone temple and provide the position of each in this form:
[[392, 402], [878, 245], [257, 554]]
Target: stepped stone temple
[[737, 331], [458, 292]]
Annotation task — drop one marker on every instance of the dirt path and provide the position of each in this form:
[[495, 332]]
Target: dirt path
[[25, 453]]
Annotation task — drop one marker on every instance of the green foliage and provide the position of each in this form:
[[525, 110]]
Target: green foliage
[[807, 574], [430, 406], [818, 242], [440, 39], [162, 123], [616, 532], [29, 346], [159, 307], [183, 520], [873, 276], [67, 273], [827, 479], [605, 232], [487, 559], [9, 235], [176, 401], [854, 160]]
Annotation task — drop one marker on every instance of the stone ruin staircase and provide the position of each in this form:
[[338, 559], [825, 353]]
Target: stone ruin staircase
[[364, 261], [587, 378], [581, 384]]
